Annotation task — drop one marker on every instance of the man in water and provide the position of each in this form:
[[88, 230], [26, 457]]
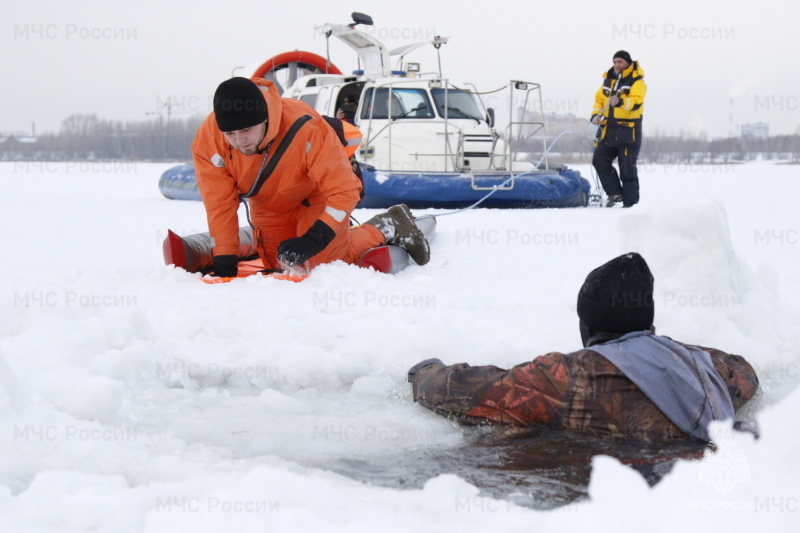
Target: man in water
[[626, 381]]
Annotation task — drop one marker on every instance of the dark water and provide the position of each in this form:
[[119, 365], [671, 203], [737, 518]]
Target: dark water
[[546, 471]]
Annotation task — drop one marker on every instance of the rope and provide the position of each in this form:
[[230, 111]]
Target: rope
[[499, 187], [589, 145], [512, 177], [496, 188]]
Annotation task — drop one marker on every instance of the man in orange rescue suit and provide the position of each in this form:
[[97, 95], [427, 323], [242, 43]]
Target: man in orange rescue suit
[[618, 108], [281, 155]]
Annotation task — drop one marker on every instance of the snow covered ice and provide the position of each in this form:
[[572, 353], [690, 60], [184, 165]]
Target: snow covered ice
[[135, 398]]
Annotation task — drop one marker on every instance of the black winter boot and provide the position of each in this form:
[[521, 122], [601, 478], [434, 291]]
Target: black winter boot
[[613, 200], [399, 228]]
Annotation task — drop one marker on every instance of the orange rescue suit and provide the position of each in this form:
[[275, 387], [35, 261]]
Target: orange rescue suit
[[353, 137], [312, 180]]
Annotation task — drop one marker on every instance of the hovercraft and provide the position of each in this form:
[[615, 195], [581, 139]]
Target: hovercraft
[[428, 141]]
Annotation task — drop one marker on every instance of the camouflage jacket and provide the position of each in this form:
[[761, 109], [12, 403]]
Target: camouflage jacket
[[580, 391]]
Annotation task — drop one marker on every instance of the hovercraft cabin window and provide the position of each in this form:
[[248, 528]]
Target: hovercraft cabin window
[[405, 103], [459, 104]]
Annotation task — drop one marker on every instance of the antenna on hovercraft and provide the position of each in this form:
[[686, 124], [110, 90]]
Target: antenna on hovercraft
[[438, 41], [359, 18]]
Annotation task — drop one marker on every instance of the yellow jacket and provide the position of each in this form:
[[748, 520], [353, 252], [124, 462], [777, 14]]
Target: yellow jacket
[[629, 86]]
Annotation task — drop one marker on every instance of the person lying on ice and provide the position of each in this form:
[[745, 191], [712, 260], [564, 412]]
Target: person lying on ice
[[626, 382], [286, 159]]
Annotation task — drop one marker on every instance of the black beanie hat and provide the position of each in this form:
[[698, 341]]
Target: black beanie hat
[[624, 55], [239, 104], [617, 297]]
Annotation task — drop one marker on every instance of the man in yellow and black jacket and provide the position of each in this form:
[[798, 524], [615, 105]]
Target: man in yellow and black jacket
[[618, 109]]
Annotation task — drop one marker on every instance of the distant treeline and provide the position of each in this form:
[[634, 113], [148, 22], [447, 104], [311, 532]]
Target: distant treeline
[[682, 150], [88, 137], [661, 147]]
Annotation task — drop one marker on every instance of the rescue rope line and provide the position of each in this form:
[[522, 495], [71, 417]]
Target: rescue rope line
[[512, 177], [596, 195], [536, 166]]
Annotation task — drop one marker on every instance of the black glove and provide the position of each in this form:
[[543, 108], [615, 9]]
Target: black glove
[[225, 266], [300, 249], [419, 366]]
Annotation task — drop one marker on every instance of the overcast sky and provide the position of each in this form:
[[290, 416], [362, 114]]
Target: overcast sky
[[710, 65]]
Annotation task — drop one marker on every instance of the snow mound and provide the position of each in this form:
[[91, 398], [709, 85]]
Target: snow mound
[[706, 294]]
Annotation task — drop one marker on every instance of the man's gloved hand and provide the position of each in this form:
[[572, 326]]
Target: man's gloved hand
[[419, 366], [225, 266], [300, 249]]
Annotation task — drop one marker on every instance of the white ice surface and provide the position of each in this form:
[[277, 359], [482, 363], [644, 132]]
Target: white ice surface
[[134, 397]]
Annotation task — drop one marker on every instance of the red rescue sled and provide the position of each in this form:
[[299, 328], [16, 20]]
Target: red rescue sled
[[193, 254]]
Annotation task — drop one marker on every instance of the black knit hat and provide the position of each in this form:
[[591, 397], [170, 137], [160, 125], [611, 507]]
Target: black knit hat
[[239, 104], [624, 55], [617, 297]]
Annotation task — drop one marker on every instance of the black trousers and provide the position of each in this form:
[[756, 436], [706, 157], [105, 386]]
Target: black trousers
[[626, 182]]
